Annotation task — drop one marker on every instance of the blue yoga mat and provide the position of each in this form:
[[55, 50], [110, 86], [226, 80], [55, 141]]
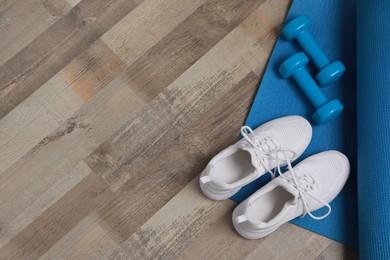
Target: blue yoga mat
[[373, 110], [334, 27]]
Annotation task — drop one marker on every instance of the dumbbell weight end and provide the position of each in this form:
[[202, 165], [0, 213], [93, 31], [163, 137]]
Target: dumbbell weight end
[[299, 29], [326, 110]]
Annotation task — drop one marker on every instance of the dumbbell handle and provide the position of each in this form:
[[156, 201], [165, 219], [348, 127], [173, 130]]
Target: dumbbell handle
[[310, 88], [310, 46]]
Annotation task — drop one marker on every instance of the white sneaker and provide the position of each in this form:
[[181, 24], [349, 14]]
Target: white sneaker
[[310, 185], [268, 146]]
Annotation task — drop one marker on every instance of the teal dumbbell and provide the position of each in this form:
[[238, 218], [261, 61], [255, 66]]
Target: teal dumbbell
[[327, 110], [298, 29]]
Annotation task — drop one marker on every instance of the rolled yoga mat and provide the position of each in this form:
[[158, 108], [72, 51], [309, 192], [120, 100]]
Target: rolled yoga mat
[[373, 110], [334, 28]]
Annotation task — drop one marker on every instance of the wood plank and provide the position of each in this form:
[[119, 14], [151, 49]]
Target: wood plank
[[55, 190], [73, 3], [128, 40], [143, 28], [36, 118], [88, 239], [177, 51], [92, 70], [4, 4], [57, 220], [56, 47], [22, 21], [179, 221]]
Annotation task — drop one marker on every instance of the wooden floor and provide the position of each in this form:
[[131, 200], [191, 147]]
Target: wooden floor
[[109, 111]]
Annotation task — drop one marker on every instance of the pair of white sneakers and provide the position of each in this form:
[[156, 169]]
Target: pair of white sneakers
[[310, 185]]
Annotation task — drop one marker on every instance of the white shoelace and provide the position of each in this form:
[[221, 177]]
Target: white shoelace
[[266, 149]]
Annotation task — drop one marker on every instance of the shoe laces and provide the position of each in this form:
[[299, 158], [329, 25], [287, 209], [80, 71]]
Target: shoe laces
[[267, 149], [305, 184]]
